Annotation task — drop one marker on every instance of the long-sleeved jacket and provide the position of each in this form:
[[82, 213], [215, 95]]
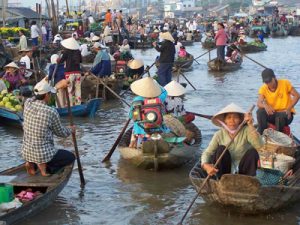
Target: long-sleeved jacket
[[167, 52]]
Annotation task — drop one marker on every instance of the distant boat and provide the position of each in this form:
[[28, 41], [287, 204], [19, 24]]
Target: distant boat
[[260, 2]]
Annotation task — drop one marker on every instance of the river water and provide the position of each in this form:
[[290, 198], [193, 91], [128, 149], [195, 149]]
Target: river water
[[117, 193]]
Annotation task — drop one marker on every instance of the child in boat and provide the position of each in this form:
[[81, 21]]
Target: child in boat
[[147, 106], [241, 156], [175, 107], [182, 52]]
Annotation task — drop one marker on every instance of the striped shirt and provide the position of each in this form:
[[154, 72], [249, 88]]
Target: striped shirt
[[40, 123]]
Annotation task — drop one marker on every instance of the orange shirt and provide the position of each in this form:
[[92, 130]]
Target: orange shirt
[[108, 17], [280, 99]]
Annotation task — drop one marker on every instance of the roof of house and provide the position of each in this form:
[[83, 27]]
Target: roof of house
[[26, 12]]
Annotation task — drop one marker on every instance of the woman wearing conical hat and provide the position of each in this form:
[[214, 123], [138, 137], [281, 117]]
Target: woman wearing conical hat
[[241, 156], [166, 58], [72, 58], [13, 76], [145, 89]]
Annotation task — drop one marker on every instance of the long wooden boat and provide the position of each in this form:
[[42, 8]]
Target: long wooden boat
[[87, 109], [248, 48], [11, 118], [49, 187], [216, 65], [187, 43], [245, 193], [169, 156], [184, 63]]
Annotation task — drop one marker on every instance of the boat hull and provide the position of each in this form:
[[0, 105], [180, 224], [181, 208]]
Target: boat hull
[[215, 65]]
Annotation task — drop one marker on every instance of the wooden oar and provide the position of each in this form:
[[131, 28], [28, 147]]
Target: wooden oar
[[243, 54], [202, 115], [112, 91], [82, 181], [204, 54], [215, 165], [111, 151], [187, 80]]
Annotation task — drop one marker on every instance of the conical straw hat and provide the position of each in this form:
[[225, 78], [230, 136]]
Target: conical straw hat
[[174, 89], [231, 108], [12, 65], [146, 87], [166, 36], [70, 43], [135, 64]]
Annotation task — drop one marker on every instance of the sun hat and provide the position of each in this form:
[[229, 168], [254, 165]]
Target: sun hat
[[174, 89], [95, 38], [43, 87], [12, 65], [70, 43], [135, 64], [146, 87], [166, 36], [54, 58], [267, 75], [231, 108]]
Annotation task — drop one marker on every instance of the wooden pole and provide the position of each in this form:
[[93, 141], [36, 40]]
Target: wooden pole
[[82, 180], [68, 12]]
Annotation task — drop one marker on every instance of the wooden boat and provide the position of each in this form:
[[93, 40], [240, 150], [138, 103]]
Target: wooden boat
[[248, 48], [11, 118], [245, 193], [217, 65], [89, 87], [184, 63], [137, 44], [168, 155], [208, 44], [187, 43], [50, 187], [87, 109], [295, 31]]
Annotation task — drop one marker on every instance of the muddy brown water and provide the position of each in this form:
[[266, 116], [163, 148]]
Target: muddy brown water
[[117, 193]]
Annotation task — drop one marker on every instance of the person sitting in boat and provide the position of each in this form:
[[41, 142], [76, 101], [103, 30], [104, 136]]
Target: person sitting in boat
[[41, 122], [147, 109], [13, 77], [174, 106], [260, 37], [57, 74], [276, 101], [241, 156], [125, 53], [102, 64], [182, 52], [57, 39], [232, 54], [26, 57], [135, 68]]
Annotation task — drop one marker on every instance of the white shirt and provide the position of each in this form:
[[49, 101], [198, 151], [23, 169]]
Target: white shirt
[[106, 31], [44, 30], [35, 31], [26, 60], [84, 50], [175, 106], [91, 19], [23, 42]]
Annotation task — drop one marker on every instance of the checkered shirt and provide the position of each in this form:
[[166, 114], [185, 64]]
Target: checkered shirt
[[40, 123]]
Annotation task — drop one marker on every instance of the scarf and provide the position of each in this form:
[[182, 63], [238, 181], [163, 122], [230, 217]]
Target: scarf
[[231, 131]]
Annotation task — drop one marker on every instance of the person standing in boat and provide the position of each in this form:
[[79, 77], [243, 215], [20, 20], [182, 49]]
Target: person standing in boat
[[276, 101], [241, 156], [41, 122], [71, 56], [221, 39], [149, 100], [23, 40], [166, 58]]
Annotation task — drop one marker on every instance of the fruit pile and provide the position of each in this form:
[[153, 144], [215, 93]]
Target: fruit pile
[[9, 101], [258, 44]]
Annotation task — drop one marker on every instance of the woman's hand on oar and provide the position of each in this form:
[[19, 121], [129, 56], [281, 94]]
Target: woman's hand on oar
[[111, 151], [215, 165], [82, 180]]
